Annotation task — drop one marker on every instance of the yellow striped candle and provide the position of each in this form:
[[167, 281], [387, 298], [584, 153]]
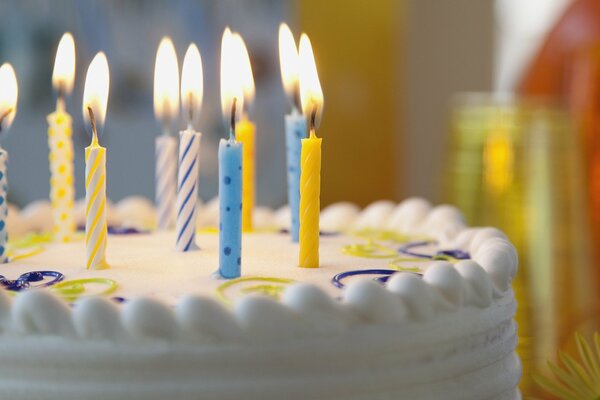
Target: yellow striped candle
[[311, 97], [244, 133], [95, 97], [310, 195]]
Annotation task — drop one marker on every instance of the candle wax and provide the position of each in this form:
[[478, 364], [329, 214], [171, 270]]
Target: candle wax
[[230, 208], [310, 193], [295, 131], [187, 190], [245, 134]]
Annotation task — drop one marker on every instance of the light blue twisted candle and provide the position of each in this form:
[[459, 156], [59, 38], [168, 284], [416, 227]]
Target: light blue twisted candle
[[295, 131], [3, 205], [230, 208], [187, 190]]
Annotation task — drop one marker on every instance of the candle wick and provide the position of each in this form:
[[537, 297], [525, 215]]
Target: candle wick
[[93, 123], [190, 109], [4, 115], [313, 121], [232, 122]]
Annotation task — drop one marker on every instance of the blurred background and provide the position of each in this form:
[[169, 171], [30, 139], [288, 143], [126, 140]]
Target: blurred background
[[491, 105]]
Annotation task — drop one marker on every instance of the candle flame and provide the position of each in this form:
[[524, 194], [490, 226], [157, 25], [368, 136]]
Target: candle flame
[[311, 94], [192, 88], [231, 84], [288, 62], [166, 82], [247, 78], [63, 75], [95, 92], [8, 96]]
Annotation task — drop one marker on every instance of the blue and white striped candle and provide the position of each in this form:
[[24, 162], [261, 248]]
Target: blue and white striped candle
[[3, 205], [166, 180], [187, 190], [230, 208], [295, 131]]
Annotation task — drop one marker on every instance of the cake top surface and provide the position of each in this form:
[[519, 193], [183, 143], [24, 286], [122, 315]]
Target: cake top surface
[[442, 265]]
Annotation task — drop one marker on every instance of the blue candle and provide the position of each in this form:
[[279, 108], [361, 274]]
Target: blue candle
[[230, 208], [295, 131]]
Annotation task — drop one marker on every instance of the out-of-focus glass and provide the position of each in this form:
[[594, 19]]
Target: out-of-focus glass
[[516, 164]]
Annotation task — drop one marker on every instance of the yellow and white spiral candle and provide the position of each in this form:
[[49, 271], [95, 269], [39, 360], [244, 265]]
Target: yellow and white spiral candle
[[95, 98], [311, 96], [60, 142]]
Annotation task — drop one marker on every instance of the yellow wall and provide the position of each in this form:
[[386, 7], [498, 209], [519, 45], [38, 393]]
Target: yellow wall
[[355, 45]]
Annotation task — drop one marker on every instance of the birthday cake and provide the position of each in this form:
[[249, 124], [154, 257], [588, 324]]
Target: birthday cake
[[408, 303]]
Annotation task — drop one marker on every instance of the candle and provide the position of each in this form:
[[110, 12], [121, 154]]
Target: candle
[[230, 164], [295, 124], [244, 133], [166, 109], [8, 109], [189, 151], [95, 98], [311, 97], [60, 142]]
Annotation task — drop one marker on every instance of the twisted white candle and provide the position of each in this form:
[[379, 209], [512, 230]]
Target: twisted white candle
[[166, 180], [187, 189]]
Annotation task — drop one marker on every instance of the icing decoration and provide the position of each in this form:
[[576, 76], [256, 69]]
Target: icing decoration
[[369, 250], [204, 318], [268, 286], [373, 303], [452, 255], [41, 312], [24, 281], [382, 275], [97, 318], [74, 289], [382, 235], [17, 254], [148, 318]]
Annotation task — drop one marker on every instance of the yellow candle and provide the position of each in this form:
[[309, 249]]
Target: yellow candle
[[310, 199], [311, 97], [61, 175], [244, 133], [60, 142]]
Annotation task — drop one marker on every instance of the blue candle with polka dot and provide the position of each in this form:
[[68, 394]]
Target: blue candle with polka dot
[[295, 131], [230, 208]]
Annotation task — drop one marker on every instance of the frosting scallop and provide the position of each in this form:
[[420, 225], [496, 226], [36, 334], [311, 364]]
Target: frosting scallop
[[373, 303], [483, 235], [317, 308], [442, 276], [41, 312], [208, 215], [39, 216], [374, 216], [479, 283], [264, 319], [416, 294], [136, 212], [338, 217], [283, 217], [408, 215], [146, 318], [203, 318], [96, 318]]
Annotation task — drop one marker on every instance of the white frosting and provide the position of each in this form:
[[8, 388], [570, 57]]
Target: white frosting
[[458, 315], [136, 212]]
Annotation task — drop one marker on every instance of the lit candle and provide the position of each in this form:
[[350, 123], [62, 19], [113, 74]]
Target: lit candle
[[230, 164], [95, 98], [60, 141], [8, 109], [295, 123], [244, 133], [166, 109], [189, 151], [311, 97]]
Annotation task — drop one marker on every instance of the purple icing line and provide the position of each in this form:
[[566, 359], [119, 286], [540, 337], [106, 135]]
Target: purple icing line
[[25, 280]]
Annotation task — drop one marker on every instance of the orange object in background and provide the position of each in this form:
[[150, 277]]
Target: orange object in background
[[568, 67]]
